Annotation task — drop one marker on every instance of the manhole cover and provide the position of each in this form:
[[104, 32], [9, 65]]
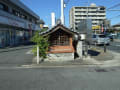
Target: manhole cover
[[101, 70]]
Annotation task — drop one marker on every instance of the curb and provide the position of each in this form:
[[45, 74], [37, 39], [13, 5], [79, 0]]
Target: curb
[[60, 66], [13, 49], [117, 40], [68, 66]]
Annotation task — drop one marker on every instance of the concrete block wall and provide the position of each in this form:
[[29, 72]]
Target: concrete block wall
[[60, 57]]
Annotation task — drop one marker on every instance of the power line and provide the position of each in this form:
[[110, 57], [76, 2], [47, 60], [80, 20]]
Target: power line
[[113, 10], [67, 1], [115, 17], [114, 6]]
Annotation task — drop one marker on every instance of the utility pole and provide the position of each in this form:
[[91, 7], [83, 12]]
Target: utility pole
[[38, 57], [85, 41], [62, 12], [87, 9]]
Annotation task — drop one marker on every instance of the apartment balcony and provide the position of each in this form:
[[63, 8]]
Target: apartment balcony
[[80, 9], [101, 14], [80, 17], [97, 17], [94, 14], [77, 21], [81, 13], [95, 21]]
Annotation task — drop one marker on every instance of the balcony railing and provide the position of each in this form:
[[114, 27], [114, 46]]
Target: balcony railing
[[16, 19]]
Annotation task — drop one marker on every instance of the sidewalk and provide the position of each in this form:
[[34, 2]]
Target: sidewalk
[[109, 58], [101, 59], [114, 62], [7, 49], [101, 55], [117, 40]]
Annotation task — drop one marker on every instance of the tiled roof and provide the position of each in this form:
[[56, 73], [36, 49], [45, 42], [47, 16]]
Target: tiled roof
[[57, 25]]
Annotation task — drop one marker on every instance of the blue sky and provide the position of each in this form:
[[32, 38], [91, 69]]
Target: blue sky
[[44, 8]]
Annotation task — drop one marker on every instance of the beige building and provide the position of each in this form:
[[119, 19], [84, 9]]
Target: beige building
[[77, 13]]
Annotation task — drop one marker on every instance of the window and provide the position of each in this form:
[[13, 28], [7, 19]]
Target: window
[[3, 7], [25, 17], [59, 38], [94, 36], [102, 8], [14, 12], [30, 19], [101, 11], [91, 11]]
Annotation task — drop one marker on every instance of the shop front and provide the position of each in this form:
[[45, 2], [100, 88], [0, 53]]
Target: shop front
[[15, 31], [12, 36]]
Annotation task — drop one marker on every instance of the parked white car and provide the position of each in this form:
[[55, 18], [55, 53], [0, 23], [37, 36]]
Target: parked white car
[[100, 39]]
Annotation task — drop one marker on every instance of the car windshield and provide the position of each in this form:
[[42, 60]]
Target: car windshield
[[102, 36]]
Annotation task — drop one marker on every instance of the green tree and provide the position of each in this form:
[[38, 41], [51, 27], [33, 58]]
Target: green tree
[[43, 44], [42, 30]]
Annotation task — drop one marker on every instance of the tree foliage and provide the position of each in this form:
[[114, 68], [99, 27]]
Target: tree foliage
[[43, 44], [44, 29]]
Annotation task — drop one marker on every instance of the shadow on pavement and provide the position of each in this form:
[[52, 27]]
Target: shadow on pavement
[[93, 53], [8, 49]]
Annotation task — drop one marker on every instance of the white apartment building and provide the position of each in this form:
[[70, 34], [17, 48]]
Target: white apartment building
[[77, 13], [17, 23]]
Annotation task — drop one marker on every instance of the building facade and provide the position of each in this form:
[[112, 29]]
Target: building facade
[[17, 23], [116, 26], [116, 30], [96, 13]]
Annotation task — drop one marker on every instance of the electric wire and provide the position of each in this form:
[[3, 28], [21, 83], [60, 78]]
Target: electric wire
[[117, 5], [115, 17], [67, 1]]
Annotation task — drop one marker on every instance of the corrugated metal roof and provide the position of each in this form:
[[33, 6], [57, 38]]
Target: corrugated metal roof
[[21, 5]]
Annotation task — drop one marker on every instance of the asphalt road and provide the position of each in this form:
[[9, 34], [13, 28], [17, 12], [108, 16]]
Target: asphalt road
[[77, 78], [64, 78], [16, 56]]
